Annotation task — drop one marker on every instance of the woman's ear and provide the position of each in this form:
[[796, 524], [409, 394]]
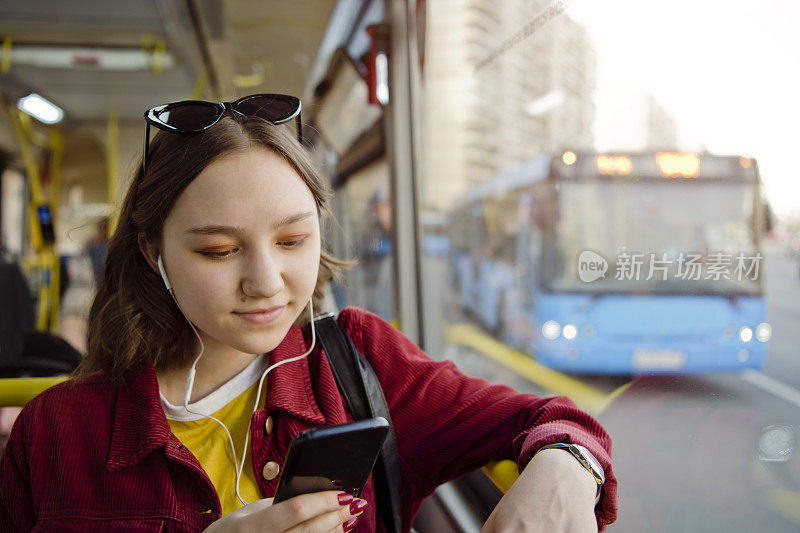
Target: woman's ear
[[150, 252]]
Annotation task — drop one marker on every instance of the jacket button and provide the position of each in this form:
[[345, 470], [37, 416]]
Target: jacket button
[[268, 425], [271, 470]]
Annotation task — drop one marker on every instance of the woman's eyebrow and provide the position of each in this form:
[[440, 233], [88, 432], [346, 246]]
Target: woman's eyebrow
[[291, 219], [213, 229], [216, 229]]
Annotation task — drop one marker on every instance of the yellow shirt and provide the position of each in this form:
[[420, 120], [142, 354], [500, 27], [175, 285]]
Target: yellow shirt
[[209, 443]]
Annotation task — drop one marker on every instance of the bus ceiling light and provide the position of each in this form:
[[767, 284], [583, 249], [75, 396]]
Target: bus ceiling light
[[569, 158], [569, 331], [41, 109], [551, 330], [746, 334], [764, 332]]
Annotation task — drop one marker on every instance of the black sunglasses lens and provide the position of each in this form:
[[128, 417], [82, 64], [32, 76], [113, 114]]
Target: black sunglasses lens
[[274, 108], [189, 117]]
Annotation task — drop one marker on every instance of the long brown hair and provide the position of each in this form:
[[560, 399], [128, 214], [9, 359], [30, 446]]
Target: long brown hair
[[133, 318]]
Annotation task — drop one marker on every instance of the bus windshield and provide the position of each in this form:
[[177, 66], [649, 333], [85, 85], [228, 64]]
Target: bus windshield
[[662, 237]]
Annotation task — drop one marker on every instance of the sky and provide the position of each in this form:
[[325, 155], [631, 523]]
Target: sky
[[728, 71]]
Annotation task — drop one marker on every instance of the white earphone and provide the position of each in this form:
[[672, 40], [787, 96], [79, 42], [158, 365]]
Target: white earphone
[[192, 371], [163, 273]]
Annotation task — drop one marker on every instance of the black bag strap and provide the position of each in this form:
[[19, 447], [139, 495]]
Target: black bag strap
[[363, 394]]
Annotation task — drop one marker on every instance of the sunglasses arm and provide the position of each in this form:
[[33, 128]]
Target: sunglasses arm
[[146, 145], [299, 129]]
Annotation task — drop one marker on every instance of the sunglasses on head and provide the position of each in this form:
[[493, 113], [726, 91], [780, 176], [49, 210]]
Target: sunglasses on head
[[194, 116]]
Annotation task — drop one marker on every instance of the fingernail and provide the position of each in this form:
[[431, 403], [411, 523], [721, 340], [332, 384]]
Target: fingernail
[[344, 498], [350, 524], [358, 506]]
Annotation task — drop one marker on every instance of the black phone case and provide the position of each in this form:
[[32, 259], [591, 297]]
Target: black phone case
[[332, 458]]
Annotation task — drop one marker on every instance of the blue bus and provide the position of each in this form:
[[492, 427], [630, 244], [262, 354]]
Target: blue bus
[[618, 263]]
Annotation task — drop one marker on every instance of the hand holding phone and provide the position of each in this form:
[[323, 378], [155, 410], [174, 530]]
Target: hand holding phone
[[332, 458], [320, 511]]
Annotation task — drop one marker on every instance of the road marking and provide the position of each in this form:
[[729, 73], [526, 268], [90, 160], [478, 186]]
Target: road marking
[[770, 384], [586, 396]]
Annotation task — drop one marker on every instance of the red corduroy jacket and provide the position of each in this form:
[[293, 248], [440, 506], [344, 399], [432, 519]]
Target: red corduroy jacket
[[95, 456]]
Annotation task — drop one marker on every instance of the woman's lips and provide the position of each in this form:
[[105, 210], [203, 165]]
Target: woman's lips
[[261, 316]]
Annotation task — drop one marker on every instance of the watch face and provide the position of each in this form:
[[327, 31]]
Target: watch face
[[776, 442]]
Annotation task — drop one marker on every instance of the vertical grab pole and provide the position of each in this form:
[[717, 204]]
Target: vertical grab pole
[[112, 160], [45, 263], [402, 137], [23, 131], [22, 126], [56, 152]]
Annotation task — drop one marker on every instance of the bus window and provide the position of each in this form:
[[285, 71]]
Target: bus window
[[626, 231]]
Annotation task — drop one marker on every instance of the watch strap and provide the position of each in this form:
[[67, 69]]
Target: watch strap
[[580, 453]]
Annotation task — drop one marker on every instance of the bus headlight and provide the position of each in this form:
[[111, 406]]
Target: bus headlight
[[746, 334], [569, 332], [764, 332], [551, 330]]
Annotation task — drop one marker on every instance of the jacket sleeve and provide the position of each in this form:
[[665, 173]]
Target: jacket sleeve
[[448, 424], [16, 502]]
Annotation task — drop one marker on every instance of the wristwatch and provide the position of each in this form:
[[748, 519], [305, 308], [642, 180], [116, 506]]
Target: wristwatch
[[775, 448], [586, 459]]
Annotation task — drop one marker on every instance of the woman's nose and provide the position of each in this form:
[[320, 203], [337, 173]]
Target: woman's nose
[[263, 276]]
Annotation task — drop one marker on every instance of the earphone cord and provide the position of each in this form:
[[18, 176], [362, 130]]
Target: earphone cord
[[258, 395], [190, 385]]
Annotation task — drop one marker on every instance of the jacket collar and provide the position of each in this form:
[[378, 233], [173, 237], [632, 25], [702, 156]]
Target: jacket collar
[[140, 426], [139, 422]]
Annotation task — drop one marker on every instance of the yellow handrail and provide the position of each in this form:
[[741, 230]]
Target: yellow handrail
[[503, 473], [5, 57], [16, 392]]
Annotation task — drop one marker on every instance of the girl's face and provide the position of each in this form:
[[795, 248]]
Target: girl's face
[[241, 248]]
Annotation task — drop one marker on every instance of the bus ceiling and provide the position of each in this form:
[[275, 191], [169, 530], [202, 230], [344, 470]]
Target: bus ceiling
[[96, 57]]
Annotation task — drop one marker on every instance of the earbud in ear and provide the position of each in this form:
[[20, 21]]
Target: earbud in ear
[[163, 273]]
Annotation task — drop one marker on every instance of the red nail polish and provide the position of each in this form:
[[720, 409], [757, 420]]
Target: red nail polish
[[358, 506], [344, 498], [350, 524]]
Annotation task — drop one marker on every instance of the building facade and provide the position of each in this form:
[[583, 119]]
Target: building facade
[[489, 105]]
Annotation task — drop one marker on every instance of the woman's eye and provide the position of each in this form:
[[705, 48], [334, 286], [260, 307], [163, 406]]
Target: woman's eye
[[292, 243], [219, 254]]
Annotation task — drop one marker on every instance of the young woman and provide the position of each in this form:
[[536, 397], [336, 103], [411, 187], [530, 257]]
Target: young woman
[[211, 278]]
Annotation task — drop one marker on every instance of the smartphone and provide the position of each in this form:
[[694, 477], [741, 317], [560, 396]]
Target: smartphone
[[332, 458]]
